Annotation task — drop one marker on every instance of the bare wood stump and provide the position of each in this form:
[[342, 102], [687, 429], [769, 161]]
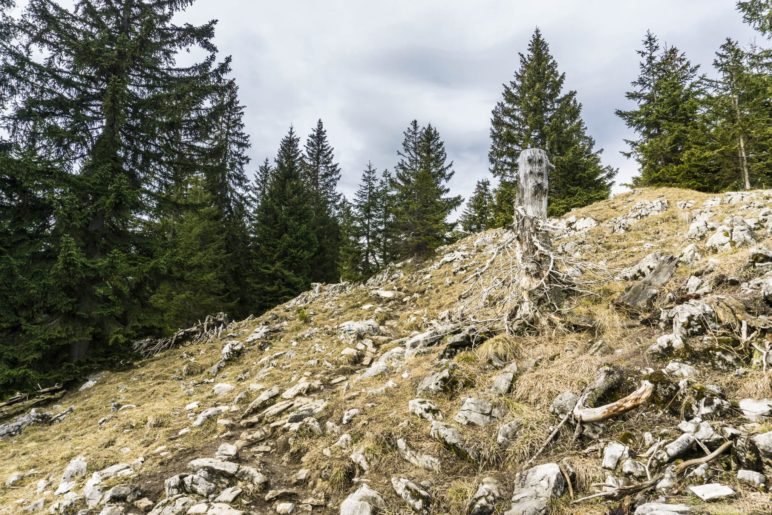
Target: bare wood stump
[[533, 252]]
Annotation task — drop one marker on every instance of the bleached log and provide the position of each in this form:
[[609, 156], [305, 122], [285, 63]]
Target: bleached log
[[623, 405]]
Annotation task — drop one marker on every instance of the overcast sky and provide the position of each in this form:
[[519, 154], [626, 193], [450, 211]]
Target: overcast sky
[[367, 68]]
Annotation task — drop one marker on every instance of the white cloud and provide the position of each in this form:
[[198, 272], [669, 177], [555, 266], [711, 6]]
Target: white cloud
[[368, 68]]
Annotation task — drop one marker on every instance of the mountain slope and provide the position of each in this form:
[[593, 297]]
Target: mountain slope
[[312, 400]]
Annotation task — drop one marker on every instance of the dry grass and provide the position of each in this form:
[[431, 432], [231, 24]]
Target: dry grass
[[549, 363]]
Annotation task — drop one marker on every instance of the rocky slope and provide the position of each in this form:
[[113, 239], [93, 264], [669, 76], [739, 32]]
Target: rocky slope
[[406, 394]]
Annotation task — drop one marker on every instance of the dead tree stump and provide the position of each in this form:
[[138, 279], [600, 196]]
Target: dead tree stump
[[534, 256]]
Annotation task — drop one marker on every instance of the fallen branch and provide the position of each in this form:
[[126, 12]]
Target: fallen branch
[[624, 491], [705, 459], [623, 405], [549, 439]]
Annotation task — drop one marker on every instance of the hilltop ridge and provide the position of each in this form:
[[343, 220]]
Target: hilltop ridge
[[407, 394]]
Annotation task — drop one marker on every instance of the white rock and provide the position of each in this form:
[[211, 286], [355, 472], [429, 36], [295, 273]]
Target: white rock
[[612, 453], [416, 497], [751, 477], [207, 414], [364, 501], [285, 507], [222, 388], [227, 451], [764, 443], [756, 410], [711, 491], [678, 369], [535, 489], [424, 408], [423, 461], [75, 469], [477, 411], [349, 415], [658, 508]]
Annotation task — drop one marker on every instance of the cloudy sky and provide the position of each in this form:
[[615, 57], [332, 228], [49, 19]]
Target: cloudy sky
[[367, 68]]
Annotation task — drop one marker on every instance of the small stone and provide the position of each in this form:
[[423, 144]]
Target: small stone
[[222, 389], [364, 501], [226, 452], [144, 505], [285, 507], [485, 498], [751, 477], [228, 495], [613, 452], [477, 411], [416, 497], [424, 408], [711, 491], [349, 415], [658, 508], [756, 410], [634, 468]]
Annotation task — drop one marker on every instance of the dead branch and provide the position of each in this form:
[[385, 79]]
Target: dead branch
[[623, 405], [549, 439], [705, 459], [212, 326]]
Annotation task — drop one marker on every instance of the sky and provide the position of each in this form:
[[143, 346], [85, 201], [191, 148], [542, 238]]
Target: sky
[[368, 68]]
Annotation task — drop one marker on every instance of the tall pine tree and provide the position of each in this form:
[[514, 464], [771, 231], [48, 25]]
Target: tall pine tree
[[368, 225], [91, 90], [535, 112], [667, 95], [322, 174], [285, 238], [421, 201], [478, 214]]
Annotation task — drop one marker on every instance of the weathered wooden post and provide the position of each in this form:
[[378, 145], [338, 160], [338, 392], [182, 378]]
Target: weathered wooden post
[[533, 253]]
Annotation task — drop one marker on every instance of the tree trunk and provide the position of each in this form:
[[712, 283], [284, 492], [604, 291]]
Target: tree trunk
[[530, 213], [533, 253], [741, 146]]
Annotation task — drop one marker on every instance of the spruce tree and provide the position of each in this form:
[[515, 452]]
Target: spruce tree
[[758, 14], [367, 224], [535, 112], [478, 214], [421, 201], [351, 246], [194, 281], [386, 247], [667, 95], [285, 239], [91, 93], [322, 174], [734, 140]]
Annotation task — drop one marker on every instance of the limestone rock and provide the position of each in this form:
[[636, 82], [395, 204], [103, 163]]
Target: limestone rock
[[364, 501], [752, 478], [756, 410], [658, 508], [612, 454], [74, 470], [416, 497], [423, 461], [424, 408], [711, 491], [502, 382], [477, 411], [535, 488], [485, 498], [451, 437]]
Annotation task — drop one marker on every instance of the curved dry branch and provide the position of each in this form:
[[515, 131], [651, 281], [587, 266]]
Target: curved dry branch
[[623, 405]]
